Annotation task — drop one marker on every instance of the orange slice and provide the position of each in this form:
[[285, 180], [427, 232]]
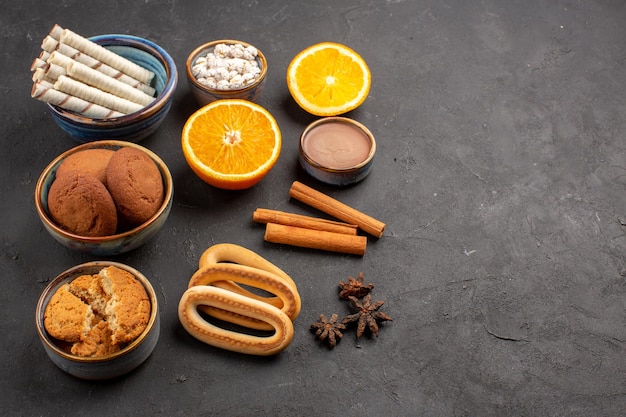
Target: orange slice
[[231, 144], [328, 79]]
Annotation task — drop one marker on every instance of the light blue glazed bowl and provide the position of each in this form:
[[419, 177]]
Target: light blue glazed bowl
[[135, 126], [205, 95], [109, 366], [333, 175], [104, 245]]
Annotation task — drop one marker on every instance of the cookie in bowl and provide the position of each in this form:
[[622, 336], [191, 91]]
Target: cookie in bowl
[[98, 320], [74, 205]]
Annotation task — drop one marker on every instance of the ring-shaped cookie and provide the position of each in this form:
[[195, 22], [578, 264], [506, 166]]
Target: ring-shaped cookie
[[231, 253], [228, 276], [213, 335]]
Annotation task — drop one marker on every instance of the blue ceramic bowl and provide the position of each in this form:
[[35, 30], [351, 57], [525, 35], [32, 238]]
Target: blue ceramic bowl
[[105, 245], [337, 159], [105, 367], [205, 95], [135, 126]]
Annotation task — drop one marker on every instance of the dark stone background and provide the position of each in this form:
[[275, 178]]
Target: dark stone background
[[500, 172]]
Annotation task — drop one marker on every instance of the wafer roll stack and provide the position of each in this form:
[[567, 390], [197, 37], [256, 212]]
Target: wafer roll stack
[[50, 45], [104, 55], [82, 72], [94, 95], [45, 92], [81, 76]]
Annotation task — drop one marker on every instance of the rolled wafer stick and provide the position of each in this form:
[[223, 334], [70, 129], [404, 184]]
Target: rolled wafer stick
[[59, 59], [82, 72], [94, 95], [315, 239], [93, 63], [104, 55], [49, 44], [56, 32], [40, 75], [43, 91], [45, 84], [54, 71], [341, 211], [261, 215], [44, 55], [37, 63]]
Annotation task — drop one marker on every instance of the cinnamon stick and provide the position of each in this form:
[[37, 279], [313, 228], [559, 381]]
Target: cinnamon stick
[[336, 209], [315, 239], [262, 215]]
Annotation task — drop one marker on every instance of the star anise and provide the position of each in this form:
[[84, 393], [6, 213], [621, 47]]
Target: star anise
[[366, 315], [328, 330], [354, 287]]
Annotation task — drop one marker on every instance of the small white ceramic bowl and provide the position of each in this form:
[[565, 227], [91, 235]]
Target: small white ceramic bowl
[[105, 367]]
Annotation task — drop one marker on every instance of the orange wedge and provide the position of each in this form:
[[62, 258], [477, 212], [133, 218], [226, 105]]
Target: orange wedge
[[328, 79], [231, 144]]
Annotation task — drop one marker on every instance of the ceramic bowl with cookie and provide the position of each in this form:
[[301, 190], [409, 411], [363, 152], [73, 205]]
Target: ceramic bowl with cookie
[[104, 198], [132, 124], [226, 69], [98, 320]]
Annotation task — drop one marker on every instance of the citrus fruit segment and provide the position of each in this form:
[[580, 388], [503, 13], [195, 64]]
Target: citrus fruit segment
[[231, 144], [328, 79]]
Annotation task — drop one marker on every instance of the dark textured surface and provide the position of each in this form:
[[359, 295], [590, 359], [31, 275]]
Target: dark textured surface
[[501, 174]]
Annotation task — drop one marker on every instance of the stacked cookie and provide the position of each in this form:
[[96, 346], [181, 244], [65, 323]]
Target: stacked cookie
[[96, 315], [220, 289], [101, 192]]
